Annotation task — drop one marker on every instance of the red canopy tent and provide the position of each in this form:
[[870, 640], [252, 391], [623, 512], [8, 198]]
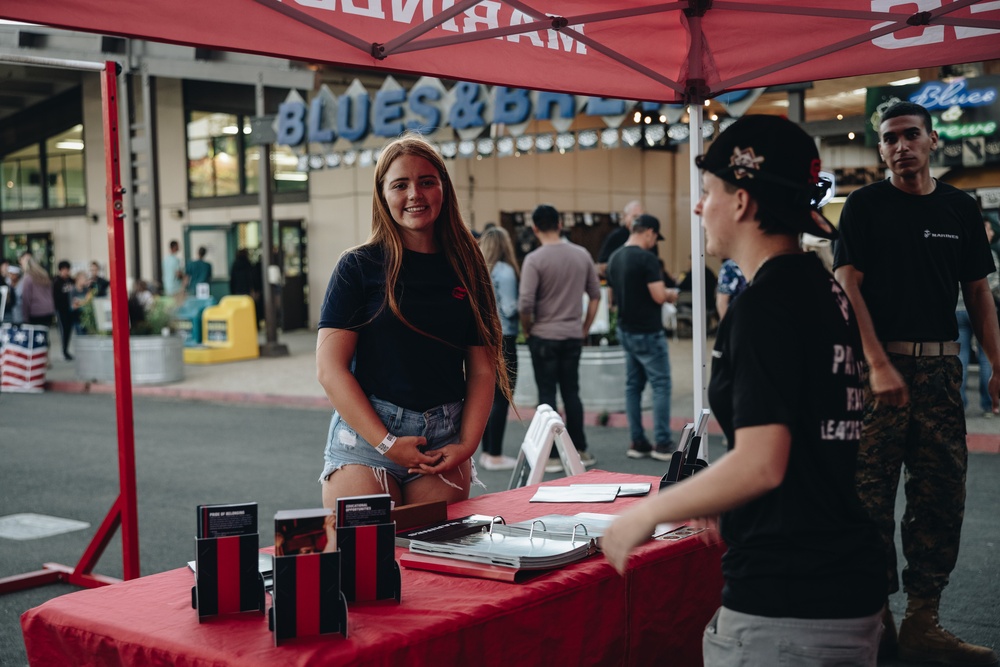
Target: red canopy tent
[[630, 49], [684, 51]]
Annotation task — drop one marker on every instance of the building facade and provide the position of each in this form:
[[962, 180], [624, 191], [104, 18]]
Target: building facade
[[192, 158]]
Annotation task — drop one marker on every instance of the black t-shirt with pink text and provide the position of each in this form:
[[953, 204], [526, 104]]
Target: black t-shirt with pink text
[[789, 352]]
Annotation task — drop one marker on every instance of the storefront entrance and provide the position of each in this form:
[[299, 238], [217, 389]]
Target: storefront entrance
[[288, 272]]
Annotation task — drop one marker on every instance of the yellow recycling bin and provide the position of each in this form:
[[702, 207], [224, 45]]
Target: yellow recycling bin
[[229, 332]]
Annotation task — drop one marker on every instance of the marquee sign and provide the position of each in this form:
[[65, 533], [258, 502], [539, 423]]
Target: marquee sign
[[457, 120], [427, 107]]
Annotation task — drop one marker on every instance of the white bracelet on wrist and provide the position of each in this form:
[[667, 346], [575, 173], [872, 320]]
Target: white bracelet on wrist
[[387, 442]]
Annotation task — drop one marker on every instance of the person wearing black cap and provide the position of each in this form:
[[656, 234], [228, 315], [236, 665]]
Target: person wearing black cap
[[907, 244], [617, 237], [804, 569], [636, 279]]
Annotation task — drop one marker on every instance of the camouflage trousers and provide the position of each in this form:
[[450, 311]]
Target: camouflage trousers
[[925, 438]]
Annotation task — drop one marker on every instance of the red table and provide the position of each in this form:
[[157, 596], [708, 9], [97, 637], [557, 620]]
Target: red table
[[583, 614]]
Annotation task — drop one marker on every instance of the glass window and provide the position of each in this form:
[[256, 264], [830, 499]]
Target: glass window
[[226, 165], [22, 175], [64, 166], [284, 166], [252, 164], [31, 183], [222, 160], [10, 191], [212, 155], [253, 170]]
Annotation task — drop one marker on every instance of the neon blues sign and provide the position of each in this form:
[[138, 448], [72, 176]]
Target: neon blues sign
[[939, 95]]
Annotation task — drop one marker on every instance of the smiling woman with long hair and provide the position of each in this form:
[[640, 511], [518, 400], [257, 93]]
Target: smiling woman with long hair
[[409, 344]]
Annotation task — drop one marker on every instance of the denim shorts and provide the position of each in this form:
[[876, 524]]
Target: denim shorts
[[344, 446]]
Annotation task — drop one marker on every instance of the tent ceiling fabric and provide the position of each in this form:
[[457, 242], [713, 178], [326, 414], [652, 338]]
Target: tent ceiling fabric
[[630, 49]]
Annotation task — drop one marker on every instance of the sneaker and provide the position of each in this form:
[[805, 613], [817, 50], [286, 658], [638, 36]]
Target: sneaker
[[988, 414], [639, 449], [497, 462], [588, 459], [554, 465], [663, 452]]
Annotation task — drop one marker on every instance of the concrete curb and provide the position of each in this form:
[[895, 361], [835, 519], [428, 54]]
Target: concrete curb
[[80, 387], [977, 442]]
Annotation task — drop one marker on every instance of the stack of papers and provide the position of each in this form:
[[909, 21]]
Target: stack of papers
[[588, 493]]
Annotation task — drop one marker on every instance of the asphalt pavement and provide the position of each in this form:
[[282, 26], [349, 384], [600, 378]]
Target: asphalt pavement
[[254, 431]]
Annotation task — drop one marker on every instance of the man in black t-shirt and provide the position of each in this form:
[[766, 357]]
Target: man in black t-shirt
[[636, 279], [906, 245], [617, 237], [804, 566], [62, 285]]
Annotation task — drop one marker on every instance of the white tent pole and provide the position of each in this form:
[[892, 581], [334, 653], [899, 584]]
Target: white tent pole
[[698, 336], [696, 94], [60, 63]]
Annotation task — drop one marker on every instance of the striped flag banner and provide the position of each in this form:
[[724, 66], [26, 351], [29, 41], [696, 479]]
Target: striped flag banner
[[24, 356]]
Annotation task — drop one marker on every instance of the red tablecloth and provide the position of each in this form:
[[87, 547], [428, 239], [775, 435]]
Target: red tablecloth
[[583, 614]]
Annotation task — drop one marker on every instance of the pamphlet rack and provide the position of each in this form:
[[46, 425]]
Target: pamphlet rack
[[227, 578], [370, 570], [307, 599], [685, 461]]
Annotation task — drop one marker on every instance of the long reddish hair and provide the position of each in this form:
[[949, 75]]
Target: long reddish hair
[[453, 238]]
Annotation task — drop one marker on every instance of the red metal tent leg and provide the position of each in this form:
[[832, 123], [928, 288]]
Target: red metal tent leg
[[81, 574], [123, 513], [120, 333]]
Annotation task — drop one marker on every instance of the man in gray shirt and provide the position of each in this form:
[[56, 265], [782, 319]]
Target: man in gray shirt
[[554, 278]]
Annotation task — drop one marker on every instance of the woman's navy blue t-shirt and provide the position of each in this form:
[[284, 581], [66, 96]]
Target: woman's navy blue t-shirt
[[392, 361]]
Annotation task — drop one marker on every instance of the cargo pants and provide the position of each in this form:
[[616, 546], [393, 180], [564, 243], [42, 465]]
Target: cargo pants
[[926, 439]]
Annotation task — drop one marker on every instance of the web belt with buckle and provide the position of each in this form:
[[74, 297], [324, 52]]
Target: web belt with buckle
[[929, 349]]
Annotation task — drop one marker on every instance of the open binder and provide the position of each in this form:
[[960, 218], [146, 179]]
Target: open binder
[[464, 568], [527, 546]]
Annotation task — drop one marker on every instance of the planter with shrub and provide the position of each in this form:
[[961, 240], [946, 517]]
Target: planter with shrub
[[156, 351]]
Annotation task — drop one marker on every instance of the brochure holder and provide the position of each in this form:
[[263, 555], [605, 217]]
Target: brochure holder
[[685, 461], [368, 559], [307, 599], [546, 428], [227, 578]]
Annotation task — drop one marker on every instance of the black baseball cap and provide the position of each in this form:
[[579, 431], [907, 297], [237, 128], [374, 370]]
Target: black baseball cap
[[774, 160], [646, 221]]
